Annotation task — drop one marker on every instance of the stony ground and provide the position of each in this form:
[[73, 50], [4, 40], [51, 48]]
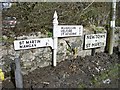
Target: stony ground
[[99, 71]]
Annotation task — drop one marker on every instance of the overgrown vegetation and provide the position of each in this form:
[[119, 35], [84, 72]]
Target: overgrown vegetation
[[38, 16], [112, 73]]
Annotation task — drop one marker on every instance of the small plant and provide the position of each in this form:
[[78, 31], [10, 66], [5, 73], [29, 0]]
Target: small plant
[[75, 50], [49, 34], [68, 50]]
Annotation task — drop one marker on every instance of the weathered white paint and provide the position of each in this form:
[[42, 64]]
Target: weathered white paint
[[95, 40], [112, 23], [33, 43], [55, 39], [68, 30]]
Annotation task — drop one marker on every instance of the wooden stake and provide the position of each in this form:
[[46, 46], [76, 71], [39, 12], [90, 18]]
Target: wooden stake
[[18, 75], [93, 49]]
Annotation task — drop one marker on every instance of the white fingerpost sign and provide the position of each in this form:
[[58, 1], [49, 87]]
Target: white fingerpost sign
[[33, 43], [95, 40], [68, 30], [63, 31]]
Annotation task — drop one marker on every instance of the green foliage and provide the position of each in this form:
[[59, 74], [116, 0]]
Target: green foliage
[[38, 16], [100, 29], [50, 34], [69, 49]]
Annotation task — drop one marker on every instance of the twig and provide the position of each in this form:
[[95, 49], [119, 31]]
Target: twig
[[87, 7]]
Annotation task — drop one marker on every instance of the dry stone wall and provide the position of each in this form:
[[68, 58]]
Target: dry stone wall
[[68, 48]]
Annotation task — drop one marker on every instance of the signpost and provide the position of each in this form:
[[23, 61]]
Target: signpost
[[58, 31], [63, 31], [95, 40], [27, 44]]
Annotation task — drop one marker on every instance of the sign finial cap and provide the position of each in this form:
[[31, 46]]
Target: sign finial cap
[[55, 15]]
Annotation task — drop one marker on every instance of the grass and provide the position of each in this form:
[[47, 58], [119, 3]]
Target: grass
[[7, 40], [111, 73], [81, 86]]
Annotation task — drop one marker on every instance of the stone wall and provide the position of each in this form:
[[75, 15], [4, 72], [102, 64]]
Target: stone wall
[[117, 37], [68, 48]]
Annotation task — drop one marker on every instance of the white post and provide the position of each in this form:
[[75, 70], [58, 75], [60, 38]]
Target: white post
[[55, 39], [111, 43]]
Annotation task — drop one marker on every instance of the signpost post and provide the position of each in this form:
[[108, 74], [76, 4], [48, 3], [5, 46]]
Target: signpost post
[[93, 49], [18, 74], [55, 39], [63, 31]]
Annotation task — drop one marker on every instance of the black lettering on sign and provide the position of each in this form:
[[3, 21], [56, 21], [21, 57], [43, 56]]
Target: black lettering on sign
[[88, 45], [33, 41], [90, 37], [73, 27], [70, 30], [21, 42], [100, 36], [20, 46], [87, 37], [97, 44], [68, 27], [27, 45], [74, 33], [27, 42], [62, 33], [38, 41], [61, 27], [66, 33]]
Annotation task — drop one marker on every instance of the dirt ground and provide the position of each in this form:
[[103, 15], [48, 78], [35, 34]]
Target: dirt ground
[[99, 71]]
